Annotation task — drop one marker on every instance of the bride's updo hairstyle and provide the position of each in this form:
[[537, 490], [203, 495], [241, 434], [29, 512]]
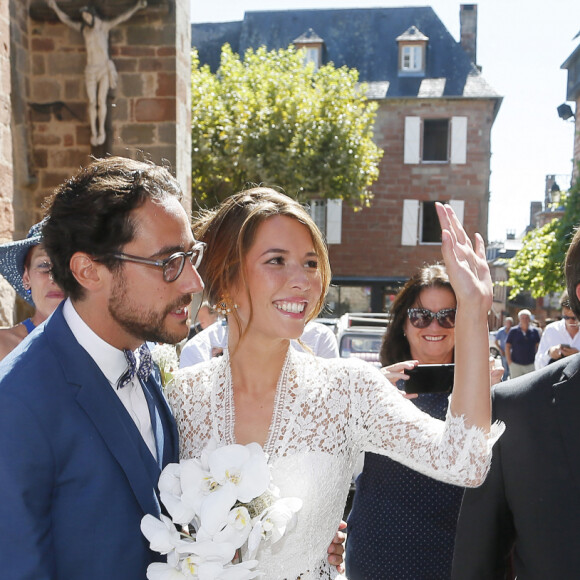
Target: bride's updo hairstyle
[[229, 231]]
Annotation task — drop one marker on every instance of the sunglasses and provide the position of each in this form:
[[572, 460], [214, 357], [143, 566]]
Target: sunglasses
[[565, 317], [422, 318]]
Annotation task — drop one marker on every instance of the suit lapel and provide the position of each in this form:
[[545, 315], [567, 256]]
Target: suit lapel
[[567, 399], [106, 412]]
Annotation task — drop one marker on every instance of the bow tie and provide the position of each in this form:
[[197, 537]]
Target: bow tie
[[144, 369]]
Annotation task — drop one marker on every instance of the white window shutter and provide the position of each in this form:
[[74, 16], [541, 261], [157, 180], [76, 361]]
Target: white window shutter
[[459, 140], [333, 221], [412, 153], [458, 206], [410, 222]]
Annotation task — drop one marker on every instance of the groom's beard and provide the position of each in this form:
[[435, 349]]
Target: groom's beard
[[147, 325]]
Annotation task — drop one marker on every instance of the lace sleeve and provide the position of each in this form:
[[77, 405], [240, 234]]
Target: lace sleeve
[[389, 424]]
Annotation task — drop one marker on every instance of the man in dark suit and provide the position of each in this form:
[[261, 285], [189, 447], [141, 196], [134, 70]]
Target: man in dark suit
[[527, 512], [83, 439]]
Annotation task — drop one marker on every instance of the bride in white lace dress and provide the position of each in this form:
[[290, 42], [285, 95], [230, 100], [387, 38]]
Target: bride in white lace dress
[[268, 267]]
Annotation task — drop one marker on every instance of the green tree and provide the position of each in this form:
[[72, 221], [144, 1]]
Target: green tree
[[269, 119], [538, 265]]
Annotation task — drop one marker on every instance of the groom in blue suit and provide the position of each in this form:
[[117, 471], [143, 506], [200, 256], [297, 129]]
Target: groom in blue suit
[[83, 435]]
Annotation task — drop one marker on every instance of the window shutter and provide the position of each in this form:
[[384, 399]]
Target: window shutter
[[412, 140], [333, 221], [459, 140], [410, 222], [458, 206]]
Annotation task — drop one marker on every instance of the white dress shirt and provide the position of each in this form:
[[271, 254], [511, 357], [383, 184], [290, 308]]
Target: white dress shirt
[[113, 365], [555, 333]]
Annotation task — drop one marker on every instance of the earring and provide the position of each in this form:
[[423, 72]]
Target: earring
[[27, 289], [224, 306]]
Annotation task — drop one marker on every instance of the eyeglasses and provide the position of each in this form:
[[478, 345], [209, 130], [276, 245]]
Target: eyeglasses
[[422, 318], [172, 266]]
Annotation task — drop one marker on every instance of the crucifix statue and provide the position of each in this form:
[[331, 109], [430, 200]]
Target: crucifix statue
[[100, 72]]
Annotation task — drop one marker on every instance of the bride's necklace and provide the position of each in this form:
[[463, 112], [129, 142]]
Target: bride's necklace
[[230, 411]]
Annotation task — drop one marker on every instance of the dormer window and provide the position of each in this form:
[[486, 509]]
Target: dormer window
[[312, 45], [412, 49], [411, 58]]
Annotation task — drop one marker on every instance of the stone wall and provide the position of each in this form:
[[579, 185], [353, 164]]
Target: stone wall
[[148, 114], [6, 171]]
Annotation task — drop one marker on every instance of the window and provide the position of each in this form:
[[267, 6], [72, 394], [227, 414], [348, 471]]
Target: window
[[327, 215], [312, 54], [412, 57], [420, 222], [435, 140], [312, 45], [412, 49], [430, 230]]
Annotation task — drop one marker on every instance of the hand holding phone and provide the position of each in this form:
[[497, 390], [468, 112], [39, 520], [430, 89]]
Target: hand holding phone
[[430, 379]]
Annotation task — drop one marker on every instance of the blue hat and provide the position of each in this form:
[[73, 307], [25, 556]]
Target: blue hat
[[13, 256]]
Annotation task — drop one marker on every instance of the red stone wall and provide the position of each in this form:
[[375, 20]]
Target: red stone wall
[[44, 125], [6, 156], [142, 111], [371, 238]]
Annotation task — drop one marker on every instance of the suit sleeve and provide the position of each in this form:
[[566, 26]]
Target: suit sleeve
[[485, 531], [26, 487]]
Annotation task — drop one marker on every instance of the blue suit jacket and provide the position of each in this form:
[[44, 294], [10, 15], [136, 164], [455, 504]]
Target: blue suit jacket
[[76, 476]]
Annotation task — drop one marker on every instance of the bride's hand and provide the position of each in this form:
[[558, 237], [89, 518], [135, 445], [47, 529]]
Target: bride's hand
[[336, 549], [467, 268]]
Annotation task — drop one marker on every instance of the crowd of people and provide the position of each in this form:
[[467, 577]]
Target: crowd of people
[[444, 492]]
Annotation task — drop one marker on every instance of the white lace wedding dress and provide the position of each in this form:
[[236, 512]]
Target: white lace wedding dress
[[326, 412]]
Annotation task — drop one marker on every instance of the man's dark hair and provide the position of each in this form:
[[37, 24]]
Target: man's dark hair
[[572, 271], [91, 213]]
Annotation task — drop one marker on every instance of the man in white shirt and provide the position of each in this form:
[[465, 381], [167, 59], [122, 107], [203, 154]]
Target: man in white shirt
[[214, 339], [559, 339]]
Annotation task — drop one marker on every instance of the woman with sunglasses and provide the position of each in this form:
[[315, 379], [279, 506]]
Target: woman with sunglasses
[[402, 523], [267, 265]]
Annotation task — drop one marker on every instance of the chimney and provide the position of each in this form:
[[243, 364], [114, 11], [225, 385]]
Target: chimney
[[468, 30]]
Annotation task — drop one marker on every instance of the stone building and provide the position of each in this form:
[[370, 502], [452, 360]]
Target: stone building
[[572, 65], [434, 124], [44, 121]]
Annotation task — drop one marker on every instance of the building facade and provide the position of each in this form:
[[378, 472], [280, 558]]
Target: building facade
[[572, 65], [434, 124]]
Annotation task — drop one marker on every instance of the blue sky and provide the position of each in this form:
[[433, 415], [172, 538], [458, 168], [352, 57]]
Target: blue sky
[[521, 46]]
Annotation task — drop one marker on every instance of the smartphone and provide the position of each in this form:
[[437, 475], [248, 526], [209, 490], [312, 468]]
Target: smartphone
[[430, 379], [564, 346]]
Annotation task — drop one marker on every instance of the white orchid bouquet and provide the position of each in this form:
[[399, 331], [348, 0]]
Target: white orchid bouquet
[[222, 507], [165, 357]]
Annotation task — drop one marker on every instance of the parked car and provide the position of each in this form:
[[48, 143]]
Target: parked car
[[332, 323], [360, 335], [493, 350]]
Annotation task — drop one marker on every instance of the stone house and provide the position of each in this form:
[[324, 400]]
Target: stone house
[[572, 65], [434, 124], [44, 120]]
